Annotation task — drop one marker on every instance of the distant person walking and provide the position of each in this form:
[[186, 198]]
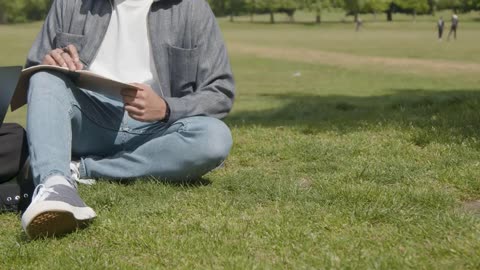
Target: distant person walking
[[358, 24], [453, 28], [441, 27]]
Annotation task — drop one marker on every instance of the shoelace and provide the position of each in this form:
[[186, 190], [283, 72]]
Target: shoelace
[[76, 175], [41, 192]]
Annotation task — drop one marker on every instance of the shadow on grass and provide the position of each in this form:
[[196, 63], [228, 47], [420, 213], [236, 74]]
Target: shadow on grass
[[304, 23], [192, 183], [200, 182], [442, 116]]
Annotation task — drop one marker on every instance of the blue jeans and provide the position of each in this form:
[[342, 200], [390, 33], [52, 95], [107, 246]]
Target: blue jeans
[[64, 121]]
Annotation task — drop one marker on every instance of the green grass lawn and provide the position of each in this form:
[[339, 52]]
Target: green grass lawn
[[332, 166]]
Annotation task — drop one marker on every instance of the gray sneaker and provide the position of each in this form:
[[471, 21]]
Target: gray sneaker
[[55, 211]]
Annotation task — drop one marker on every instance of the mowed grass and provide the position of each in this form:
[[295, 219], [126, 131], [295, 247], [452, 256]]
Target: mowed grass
[[403, 38], [332, 167]]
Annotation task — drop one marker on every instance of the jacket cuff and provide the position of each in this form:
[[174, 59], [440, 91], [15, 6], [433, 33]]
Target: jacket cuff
[[176, 107]]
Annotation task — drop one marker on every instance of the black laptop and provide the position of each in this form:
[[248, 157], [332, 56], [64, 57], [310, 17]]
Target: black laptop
[[8, 82]]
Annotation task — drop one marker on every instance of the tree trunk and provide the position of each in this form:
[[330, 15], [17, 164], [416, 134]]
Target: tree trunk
[[252, 11], [272, 17], [318, 18], [355, 19], [231, 17], [222, 8], [389, 15]]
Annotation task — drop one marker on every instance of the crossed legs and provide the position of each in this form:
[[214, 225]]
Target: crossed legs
[[64, 120]]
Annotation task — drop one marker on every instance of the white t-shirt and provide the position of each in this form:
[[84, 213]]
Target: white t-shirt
[[126, 54]]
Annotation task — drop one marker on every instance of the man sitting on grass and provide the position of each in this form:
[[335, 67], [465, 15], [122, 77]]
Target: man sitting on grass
[[173, 52]]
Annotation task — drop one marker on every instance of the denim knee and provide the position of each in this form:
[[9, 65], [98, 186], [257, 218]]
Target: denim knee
[[45, 84], [216, 142]]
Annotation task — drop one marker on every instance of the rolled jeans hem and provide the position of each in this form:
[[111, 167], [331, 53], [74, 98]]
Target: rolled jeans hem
[[53, 173]]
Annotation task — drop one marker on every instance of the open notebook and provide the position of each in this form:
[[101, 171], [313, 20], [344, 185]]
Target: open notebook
[[81, 78]]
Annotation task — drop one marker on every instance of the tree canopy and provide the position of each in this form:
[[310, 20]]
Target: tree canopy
[[351, 7], [13, 11]]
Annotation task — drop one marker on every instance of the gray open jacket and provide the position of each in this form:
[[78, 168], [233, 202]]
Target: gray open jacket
[[188, 49]]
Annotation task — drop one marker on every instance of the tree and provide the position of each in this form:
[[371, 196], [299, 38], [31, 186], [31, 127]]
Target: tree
[[3, 12], [354, 7], [23, 10], [413, 6], [288, 7], [271, 6], [36, 9], [459, 5], [376, 6], [218, 7], [234, 7], [318, 6], [251, 7], [11, 11], [433, 6]]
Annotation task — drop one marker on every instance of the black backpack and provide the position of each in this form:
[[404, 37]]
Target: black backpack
[[16, 182]]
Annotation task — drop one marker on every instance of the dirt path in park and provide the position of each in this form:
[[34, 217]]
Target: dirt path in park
[[438, 67]]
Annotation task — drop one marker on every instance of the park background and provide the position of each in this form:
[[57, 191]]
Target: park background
[[353, 150]]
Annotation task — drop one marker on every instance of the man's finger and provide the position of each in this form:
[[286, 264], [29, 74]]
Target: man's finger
[[132, 110], [79, 65], [48, 60], [136, 103], [136, 117], [128, 99], [69, 61], [129, 92], [58, 58], [141, 86], [57, 50], [72, 50]]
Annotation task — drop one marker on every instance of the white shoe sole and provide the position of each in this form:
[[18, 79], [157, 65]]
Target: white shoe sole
[[54, 218]]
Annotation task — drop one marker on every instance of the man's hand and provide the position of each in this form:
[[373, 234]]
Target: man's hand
[[143, 104], [66, 57]]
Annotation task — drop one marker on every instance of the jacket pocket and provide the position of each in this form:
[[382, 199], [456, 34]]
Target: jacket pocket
[[183, 64], [62, 40]]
